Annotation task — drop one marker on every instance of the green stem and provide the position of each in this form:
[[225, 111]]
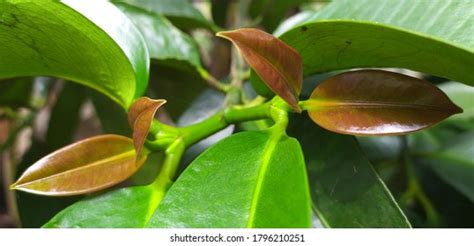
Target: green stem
[[305, 105], [213, 82], [164, 135], [173, 153], [234, 114]]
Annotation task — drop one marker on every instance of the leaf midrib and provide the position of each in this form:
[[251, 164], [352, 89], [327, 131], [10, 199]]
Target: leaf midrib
[[93, 164], [268, 151], [319, 104], [288, 85]]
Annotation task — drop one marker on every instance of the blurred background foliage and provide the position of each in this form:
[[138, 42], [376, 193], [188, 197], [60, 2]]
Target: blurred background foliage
[[430, 173]]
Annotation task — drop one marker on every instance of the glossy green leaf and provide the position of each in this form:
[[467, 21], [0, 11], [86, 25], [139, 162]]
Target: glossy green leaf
[[76, 41], [425, 36], [181, 12], [79, 168], [123, 208], [277, 64], [251, 179], [346, 190], [165, 42], [141, 114], [374, 102]]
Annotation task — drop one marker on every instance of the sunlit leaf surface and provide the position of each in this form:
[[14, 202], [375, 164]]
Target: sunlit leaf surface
[[74, 40]]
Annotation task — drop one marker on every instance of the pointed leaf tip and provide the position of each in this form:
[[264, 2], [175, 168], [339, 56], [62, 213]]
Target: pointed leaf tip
[[372, 102], [277, 64], [140, 116], [80, 168]]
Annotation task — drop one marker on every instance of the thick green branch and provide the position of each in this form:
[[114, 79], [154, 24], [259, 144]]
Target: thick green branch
[[164, 135], [168, 171], [235, 114]]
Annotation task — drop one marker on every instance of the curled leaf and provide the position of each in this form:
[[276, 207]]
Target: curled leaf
[[371, 102], [83, 167], [277, 64], [140, 116]]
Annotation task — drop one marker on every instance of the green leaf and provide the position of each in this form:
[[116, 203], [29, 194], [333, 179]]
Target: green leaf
[[375, 102], [455, 163], [251, 179], [425, 36], [346, 190], [74, 40], [123, 208], [165, 42], [181, 12]]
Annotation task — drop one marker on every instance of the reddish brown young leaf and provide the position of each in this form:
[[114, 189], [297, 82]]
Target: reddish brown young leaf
[[140, 116], [83, 167], [371, 102], [277, 64]]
